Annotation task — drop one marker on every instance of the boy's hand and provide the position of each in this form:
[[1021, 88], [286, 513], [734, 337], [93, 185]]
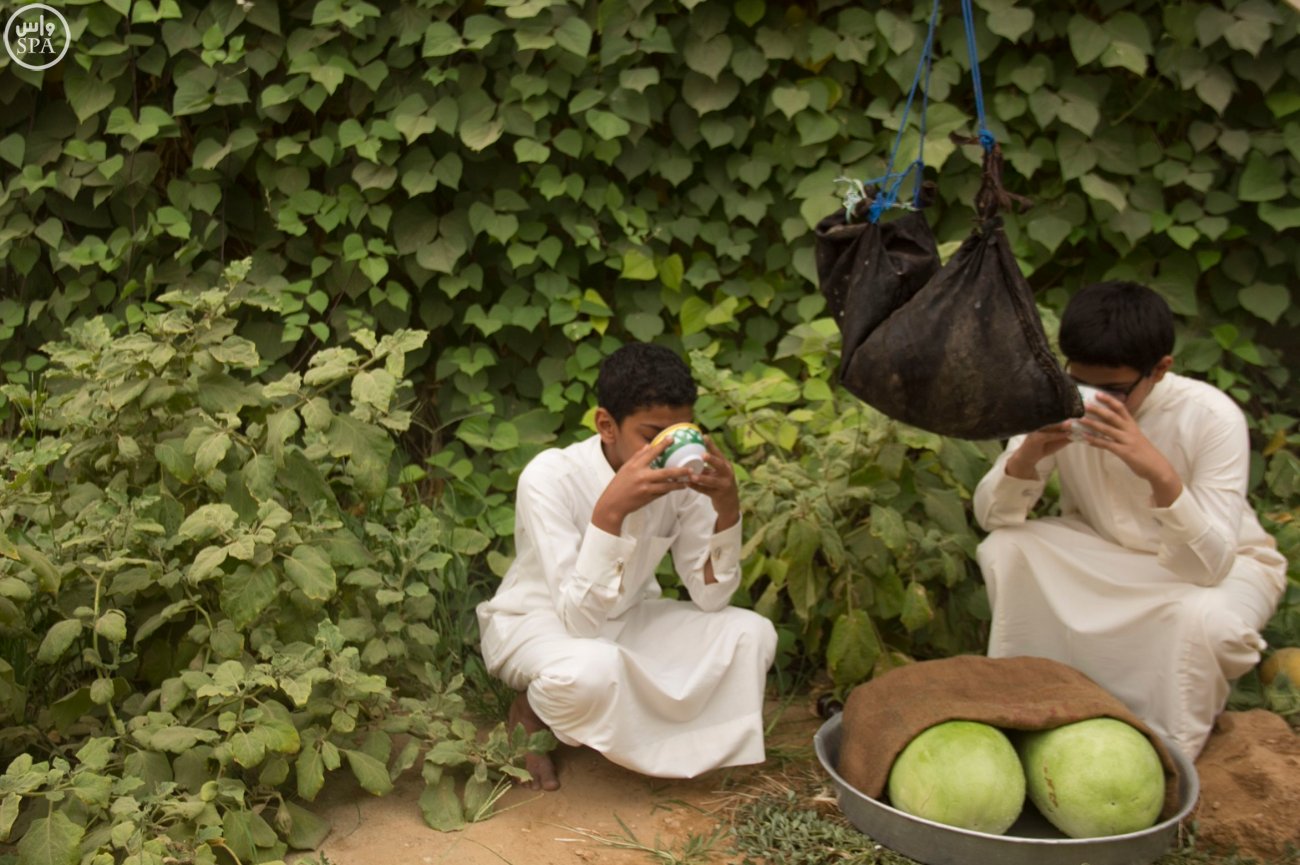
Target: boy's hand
[[1036, 447], [634, 486], [1109, 426], [718, 482]]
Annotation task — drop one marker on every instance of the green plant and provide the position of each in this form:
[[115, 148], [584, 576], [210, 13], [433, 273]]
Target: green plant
[[226, 593], [860, 543]]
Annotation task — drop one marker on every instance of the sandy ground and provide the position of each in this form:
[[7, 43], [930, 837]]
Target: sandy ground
[[1250, 769]]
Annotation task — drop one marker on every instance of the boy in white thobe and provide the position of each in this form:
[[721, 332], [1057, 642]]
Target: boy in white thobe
[[666, 688], [1156, 578]]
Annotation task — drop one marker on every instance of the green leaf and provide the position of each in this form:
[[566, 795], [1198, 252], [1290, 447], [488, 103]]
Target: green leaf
[[1280, 218], [1265, 300], [527, 150], [194, 91], [371, 774], [207, 522], [306, 830], [1130, 43], [310, 771], [750, 12], [245, 832], [441, 806], [179, 739], [246, 593], [112, 626], [887, 524], [12, 149], [52, 840], [87, 94], [791, 100], [709, 57], [1011, 22], [1101, 189], [816, 128], [917, 612], [58, 639], [574, 36], [311, 571], [705, 95], [1262, 179], [607, 124], [1215, 88], [852, 649], [1087, 39], [671, 270], [1080, 112], [211, 453], [637, 265], [8, 814], [645, 326], [247, 750]]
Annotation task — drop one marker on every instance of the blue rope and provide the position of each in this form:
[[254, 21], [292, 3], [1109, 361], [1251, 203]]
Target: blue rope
[[968, 18], [888, 185], [892, 181], [925, 104]]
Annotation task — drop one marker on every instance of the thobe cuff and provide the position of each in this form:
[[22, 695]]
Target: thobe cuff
[[1013, 498], [724, 553], [1182, 521], [602, 559]]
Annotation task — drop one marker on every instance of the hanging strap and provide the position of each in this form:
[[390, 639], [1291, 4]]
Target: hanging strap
[[986, 138], [888, 185], [892, 181]]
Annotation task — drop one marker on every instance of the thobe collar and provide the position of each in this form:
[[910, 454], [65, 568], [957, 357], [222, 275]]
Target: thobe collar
[[1158, 399], [604, 472]]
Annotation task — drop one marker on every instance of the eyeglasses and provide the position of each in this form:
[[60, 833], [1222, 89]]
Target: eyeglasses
[[1120, 393]]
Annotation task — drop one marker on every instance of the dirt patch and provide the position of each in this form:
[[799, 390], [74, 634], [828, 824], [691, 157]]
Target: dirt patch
[[1250, 786], [597, 800]]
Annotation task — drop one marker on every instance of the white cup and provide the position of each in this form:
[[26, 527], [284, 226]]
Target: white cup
[[1088, 394]]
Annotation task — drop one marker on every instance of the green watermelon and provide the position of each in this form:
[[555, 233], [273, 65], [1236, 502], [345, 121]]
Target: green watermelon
[[1094, 778], [960, 773]]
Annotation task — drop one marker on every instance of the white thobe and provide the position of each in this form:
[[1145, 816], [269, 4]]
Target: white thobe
[[664, 687], [1161, 606]]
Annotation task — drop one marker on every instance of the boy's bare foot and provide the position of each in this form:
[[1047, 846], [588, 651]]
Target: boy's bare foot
[[540, 766]]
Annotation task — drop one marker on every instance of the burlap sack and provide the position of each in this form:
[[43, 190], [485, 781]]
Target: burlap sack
[[882, 716]]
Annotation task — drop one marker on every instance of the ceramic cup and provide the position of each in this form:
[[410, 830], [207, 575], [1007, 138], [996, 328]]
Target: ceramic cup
[[687, 448]]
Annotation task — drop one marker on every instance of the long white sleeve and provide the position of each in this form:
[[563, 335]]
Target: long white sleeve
[[1002, 500], [583, 564], [1200, 531]]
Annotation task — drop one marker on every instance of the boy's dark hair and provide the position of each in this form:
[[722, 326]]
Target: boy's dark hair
[[642, 375], [1117, 324]]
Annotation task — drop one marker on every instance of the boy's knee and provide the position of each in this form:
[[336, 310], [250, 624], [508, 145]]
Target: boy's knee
[[1234, 642], [755, 633], [581, 679]]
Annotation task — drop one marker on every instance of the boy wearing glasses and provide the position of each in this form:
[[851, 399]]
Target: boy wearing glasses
[[1156, 577]]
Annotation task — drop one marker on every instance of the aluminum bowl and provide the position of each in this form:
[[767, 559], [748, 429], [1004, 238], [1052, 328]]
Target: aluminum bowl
[[1030, 841]]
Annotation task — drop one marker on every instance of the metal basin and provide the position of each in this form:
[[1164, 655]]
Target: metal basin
[[1030, 841]]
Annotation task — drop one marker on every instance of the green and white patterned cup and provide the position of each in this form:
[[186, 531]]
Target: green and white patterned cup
[[687, 448]]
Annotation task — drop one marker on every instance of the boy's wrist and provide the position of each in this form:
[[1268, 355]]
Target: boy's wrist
[[607, 519], [1022, 466], [727, 517]]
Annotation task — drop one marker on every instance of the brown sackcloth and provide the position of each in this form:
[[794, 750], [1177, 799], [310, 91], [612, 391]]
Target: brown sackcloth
[[883, 715]]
